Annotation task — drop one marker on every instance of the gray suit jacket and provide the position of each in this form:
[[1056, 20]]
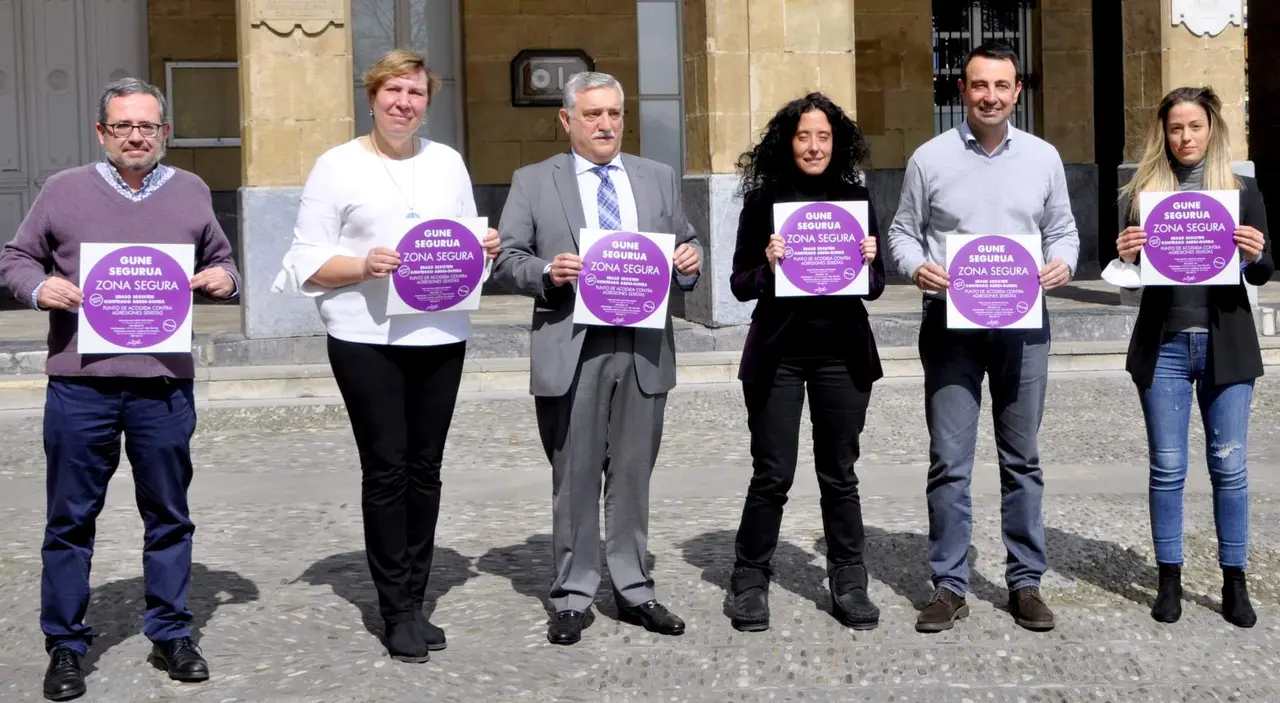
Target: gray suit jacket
[[542, 218]]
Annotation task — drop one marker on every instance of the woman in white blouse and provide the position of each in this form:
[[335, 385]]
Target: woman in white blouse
[[399, 375]]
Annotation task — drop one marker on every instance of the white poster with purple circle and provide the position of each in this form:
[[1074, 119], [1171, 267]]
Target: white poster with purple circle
[[1190, 238], [625, 279], [137, 298], [442, 264], [994, 281], [823, 254]]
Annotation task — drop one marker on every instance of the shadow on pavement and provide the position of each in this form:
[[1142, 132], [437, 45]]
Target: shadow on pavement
[[115, 608], [900, 560], [348, 575], [529, 567], [1112, 568], [793, 568]]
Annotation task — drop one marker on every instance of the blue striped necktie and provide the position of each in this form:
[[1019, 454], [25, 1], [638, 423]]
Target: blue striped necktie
[[607, 199]]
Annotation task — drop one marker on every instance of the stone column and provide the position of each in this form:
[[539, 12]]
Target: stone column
[[743, 60], [295, 103], [1161, 56]]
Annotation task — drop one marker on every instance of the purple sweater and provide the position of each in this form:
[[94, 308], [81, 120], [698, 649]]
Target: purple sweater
[[78, 205]]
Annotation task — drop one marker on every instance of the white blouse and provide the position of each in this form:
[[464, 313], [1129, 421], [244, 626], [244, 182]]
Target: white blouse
[[349, 194]]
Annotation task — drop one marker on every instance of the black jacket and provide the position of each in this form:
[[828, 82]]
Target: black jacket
[[775, 321], [1234, 355]]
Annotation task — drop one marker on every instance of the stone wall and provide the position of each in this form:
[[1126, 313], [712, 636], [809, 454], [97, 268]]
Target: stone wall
[[501, 138], [744, 59], [894, 43], [195, 30], [1160, 57], [1066, 70]]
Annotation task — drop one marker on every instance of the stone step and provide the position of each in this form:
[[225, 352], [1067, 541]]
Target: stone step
[[313, 382]]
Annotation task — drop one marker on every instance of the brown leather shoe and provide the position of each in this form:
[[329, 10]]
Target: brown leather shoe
[[944, 608], [1029, 609]]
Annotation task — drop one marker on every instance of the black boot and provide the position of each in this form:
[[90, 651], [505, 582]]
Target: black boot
[[1236, 607], [749, 595], [1168, 605], [850, 603]]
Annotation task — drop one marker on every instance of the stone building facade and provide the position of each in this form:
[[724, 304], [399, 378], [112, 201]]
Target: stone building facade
[[255, 102]]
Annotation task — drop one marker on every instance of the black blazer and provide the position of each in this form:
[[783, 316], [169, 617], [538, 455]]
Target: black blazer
[[753, 279], [1234, 355]]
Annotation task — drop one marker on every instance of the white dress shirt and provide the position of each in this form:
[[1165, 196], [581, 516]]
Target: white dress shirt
[[589, 191], [349, 198]]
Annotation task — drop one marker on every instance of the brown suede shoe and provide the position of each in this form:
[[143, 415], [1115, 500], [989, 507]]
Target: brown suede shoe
[[941, 613], [1029, 609]]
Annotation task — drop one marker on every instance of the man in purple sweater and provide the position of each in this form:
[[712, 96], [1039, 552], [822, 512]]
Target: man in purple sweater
[[128, 197]]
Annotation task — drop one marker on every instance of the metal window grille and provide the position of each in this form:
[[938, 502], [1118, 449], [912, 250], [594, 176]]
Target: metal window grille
[[958, 28]]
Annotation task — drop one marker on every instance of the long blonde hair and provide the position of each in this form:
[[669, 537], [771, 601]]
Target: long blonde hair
[[1156, 170]]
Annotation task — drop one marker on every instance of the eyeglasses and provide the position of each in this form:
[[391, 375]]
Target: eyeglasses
[[123, 130]]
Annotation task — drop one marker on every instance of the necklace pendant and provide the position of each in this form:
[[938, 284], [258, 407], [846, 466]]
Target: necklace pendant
[[412, 215]]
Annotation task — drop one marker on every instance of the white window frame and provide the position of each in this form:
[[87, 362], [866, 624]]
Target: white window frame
[[176, 141]]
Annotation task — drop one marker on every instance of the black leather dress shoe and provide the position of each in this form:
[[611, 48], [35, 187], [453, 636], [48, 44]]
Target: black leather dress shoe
[[652, 616], [566, 627], [181, 658], [63, 680], [406, 642], [434, 635]]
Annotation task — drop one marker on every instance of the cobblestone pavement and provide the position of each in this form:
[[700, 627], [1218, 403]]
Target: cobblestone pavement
[[285, 611]]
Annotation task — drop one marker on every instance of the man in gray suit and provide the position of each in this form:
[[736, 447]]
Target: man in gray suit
[[600, 392]]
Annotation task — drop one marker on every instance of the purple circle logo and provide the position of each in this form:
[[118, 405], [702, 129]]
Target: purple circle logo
[[442, 258], [994, 281], [629, 278], [824, 243], [1190, 237], [138, 297]]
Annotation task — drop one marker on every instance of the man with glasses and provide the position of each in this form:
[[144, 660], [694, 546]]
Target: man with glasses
[[91, 399]]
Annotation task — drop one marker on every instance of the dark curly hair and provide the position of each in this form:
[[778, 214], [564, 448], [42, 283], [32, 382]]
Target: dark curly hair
[[771, 162]]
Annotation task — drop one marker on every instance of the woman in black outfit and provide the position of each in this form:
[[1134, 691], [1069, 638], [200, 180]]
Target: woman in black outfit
[[811, 151]]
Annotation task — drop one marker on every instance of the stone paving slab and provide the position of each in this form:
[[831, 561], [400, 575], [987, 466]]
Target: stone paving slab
[[285, 610]]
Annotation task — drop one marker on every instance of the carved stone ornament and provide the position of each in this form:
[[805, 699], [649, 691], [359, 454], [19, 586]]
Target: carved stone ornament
[[313, 16], [1207, 16]]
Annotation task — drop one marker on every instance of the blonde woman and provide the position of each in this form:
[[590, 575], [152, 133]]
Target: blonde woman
[[1201, 338], [399, 375]]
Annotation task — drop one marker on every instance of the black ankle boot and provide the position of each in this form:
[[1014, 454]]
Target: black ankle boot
[[1236, 607], [1168, 605], [749, 600], [850, 603]]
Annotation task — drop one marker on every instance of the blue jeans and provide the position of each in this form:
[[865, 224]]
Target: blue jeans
[[1016, 363], [1166, 406], [83, 421]]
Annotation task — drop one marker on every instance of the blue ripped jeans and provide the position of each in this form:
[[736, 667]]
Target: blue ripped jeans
[[1166, 406]]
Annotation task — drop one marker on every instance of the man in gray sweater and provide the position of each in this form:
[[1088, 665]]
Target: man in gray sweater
[[983, 177], [127, 198]]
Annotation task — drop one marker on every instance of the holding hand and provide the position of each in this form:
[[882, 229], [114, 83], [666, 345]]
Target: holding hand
[[776, 251], [491, 244], [59, 294], [686, 260], [380, 262], [931, 277], [1250, 241], [215, 281], [869, 249], [565, 268], [1055, 274], [1130, 242]]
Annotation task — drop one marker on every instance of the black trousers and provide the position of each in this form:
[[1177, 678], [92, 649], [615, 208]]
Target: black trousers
[[838, 411], [400, 400]]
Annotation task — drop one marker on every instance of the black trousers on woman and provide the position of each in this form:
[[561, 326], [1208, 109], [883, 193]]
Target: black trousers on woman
[[400, 400], [838, 411]]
